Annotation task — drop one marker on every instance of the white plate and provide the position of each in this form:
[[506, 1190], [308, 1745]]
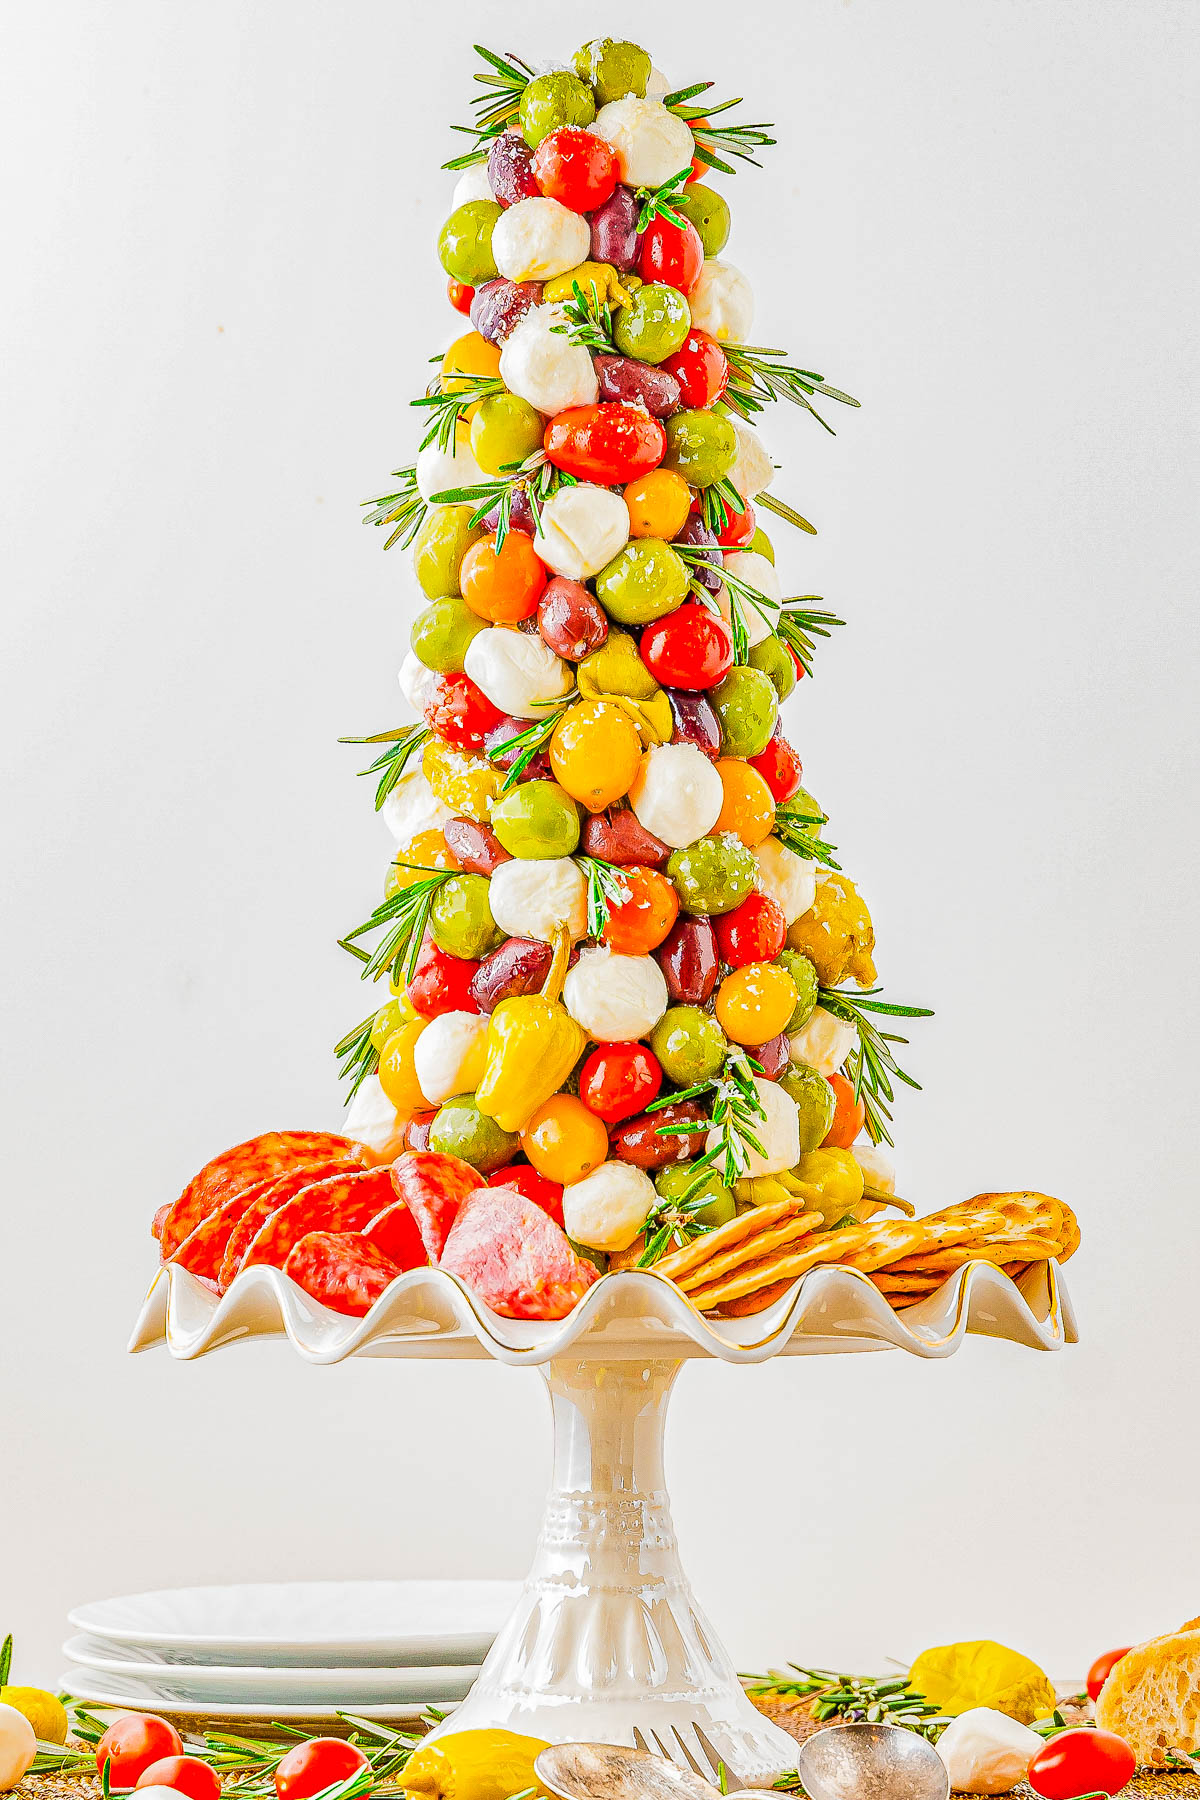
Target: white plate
[[318, 1624], [213, 1683], [101, 1691]]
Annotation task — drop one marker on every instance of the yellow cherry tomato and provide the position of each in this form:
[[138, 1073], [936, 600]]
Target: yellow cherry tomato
[[413, 861], [467, 784], [397, 1068], [658, 504], [469, 355], [595, 753], [563, 1140], [748, 809], [754, 1003]]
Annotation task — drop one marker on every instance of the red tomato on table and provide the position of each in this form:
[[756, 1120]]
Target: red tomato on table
[[619, 1080], [608, 443], [318, 1764], [186, 1774], [1082, 1762], [1102, 1668], [132, 1743]]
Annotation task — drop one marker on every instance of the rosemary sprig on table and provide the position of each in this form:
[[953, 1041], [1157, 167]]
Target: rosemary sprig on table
[[402, 745], [875, 1699], [359, 1056], [795, 828], [798, 625], [405, 509], [504, 80], [736, 1111], [783, 511], [405, 914], [662, 200], [757, 376], [714, 142], [871, 1065], [534, 737], [588, 320], [447, 409], [606, 888]]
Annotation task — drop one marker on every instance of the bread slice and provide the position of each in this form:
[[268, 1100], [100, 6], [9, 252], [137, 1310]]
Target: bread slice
[[1152, 1697]]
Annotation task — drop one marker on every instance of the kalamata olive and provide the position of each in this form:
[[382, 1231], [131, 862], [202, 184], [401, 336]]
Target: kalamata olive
[[477, 847], [518, 967], [500, 305], [623, 378], [773, 1055], [510, 169], [416, 1132], [695, 722], [689, 961], [640, 1141], [538, 767], [572, 622], [520, 514], [615, 236], [696, 533], [617, 837]]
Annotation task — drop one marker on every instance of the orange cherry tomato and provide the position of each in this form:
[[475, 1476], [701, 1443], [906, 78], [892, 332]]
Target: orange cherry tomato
[[1102, 1668], [609, 443], [468, 355], [460, 295], [747, 809], [503, 585], [755, 1002], [700, 169], [596, 752], [640, 923], [848, 1115], [563, 1140], [659, 504]]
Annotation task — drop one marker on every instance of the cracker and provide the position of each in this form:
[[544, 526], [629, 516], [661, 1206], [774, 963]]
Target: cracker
[[759, 1218], [763, 1243]]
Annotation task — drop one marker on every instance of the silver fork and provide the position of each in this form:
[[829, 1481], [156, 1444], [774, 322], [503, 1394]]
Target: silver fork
[[718, 1770]]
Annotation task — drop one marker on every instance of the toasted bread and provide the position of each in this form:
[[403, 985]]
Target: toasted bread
[[1152, 1698]]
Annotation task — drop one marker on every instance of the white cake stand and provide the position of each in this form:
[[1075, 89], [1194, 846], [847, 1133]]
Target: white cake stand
[[606, 1635]]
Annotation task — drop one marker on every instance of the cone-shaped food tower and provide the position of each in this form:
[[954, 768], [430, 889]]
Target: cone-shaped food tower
[[622, 974]]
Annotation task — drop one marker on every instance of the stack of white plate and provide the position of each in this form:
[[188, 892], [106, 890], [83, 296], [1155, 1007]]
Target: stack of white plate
[[289, 1651]]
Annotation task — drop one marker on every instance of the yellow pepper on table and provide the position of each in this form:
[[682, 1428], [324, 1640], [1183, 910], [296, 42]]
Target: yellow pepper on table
[[532, 1045]]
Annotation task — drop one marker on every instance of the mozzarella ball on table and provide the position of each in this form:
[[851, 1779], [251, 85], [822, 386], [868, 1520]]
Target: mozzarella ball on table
[[537, 239], [472, 184], [615, 998], [986, 1752], [608, 1208], [516, 670], [582, 528], [651, 142], [823, 1042], [537, 898], [543, 365], [448, 1058], [753, 472], [778, 1133], [677, 795], [413, 807], [417, 682], [439, 470], [786, 878], [722, 302]]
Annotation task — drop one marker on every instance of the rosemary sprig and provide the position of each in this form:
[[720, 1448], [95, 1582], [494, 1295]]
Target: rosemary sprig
[[402, 745], [713, 140], [784, 511], [795, 829], [757, 376], [405, 914], [798, 625], [662, 200], [405, 509], [718, 503], [447, 410], [670, 1225], [606, 888], [875, 1699], [588, 320], [539, 479], [504, 82], [735, 1112], [359, 1056], [529, 742], [871, 1065]]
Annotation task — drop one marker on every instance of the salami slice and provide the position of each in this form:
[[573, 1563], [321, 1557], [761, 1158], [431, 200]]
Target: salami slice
[[514, 1256], [434, 1187], [398, 1235], [339, 1203], [278, 1191], [242, 1167], [202, 1252], [341, 1269]]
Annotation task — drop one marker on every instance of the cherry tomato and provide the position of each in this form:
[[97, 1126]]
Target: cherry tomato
[[460, 712], [563, 1140], [460, 296], [701, 369], [1079, 1762], [543, 1192], [752, 932], [640, 923], [502, 585], [690, 648], [315, 1765], [848, 1115], [1102, 1668], [737, 531], [671, 254], [609, 444], [186, 1774], [576, 168], [700, 169], [132, 1743], [618, 1080], [416, 1132], [780, 767], [801, 671], [441, 983], [748, 808]]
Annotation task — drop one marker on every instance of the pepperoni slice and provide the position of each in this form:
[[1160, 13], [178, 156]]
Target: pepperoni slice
[[398, 1235], [243, 1166], [341, 1269], [339, 1203], [203, 1251], [514, 1256], [433, 1187], [266, 1201]]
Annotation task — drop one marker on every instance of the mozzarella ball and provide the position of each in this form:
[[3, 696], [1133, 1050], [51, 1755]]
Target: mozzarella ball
[[371, 1119], [18, 1745], [786, 878], [544, 366], [582, 528], [722, 303], [412, 806], [516, 670], [753, 472], [615, 998], [417, 682], [538, 239], [448, 1057], [608, 1208], [657, 85], [778, 1133], [677, 794], [986, 1752], [651, 142], [879, 1171], [438, 470], [536, 898], [823, 1042], [472, 184]]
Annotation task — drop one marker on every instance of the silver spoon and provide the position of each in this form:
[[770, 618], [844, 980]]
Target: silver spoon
[[871, 1762], [613, 1772]]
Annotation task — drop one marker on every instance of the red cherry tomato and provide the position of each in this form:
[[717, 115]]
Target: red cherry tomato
[[691, 648], [780, 767], [848, 1115], [132, 1743], [441, 983], [576, 168], [460, 295], [608, 444], [539, 1188], [1079, 1762], [639, 924], [1102, 1668], [186, 1774], [752, 932], [618, 1080], [315, 1765], [738, 529], [700, 169], [460, 712], [700, 367], [672, 254]]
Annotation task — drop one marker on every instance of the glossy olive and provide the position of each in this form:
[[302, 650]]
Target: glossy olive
[[476, 847], [643, 1141], [674, 1181], [461, 1130], [537, 819], [617, 837], [713, 875], [445, 536], [465, 244], [549, 101], [774, 659], [804, 975], [689, 960], [612, 68], [689, 1044], [708, 211], [815, 1102], [653, 325], [441, 634], [519, 966], [460, 918], [644, 581], [747, 706], [701, 446], [695, 722]]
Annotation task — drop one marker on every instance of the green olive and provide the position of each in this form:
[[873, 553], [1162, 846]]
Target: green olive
[[708, 211], [388, 1020], [441, 634], [613, 67], [762, 544], [689, 1044], [644, 581], [653, 325], [713, 875], [774, 658], [801, 806], [505, 429], [815, 1101], [804, 974], [465, 246], [549, 101], [460, 918], [460, 1129], [445, 536], [617, 668], [701, 446], [674, 1181], [537, 819], [747, 706]]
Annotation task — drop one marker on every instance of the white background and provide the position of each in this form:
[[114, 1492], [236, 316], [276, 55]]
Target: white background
[[219, 293]]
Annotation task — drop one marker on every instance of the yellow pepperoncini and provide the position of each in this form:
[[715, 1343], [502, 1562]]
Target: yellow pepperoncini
[[617, 673], [836, 933], [532, 1045], [597, 280], [474, 1765], [830, 1181], [467, 784]]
